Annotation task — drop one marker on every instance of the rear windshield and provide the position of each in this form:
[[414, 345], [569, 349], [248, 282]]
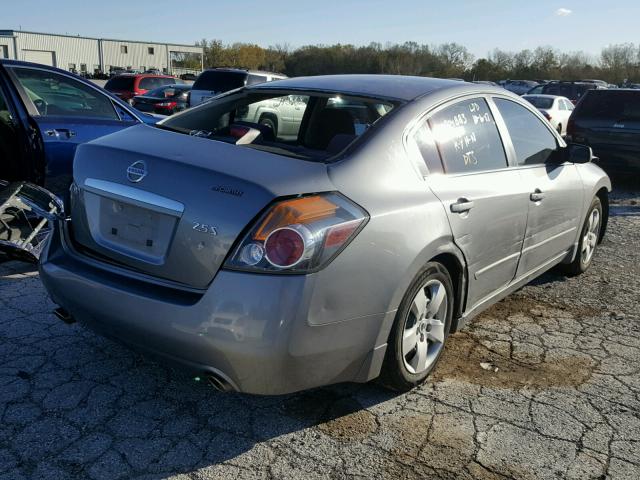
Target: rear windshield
[[540, 102], [149, 83], [169, 91], [119, 83], [220, 81], [307, 125], [610, 104]]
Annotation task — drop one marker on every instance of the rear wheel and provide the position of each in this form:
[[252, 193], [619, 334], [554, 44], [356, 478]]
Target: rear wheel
[[420, 329], [589, 238]]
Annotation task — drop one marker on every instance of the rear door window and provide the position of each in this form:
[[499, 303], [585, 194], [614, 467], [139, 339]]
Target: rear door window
[[532, 140], [55, 94], [467, 137]]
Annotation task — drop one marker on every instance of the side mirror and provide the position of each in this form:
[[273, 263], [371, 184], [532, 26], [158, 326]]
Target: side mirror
[[578, 153]]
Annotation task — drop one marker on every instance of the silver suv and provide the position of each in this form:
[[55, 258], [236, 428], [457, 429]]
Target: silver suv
[[215, 81]]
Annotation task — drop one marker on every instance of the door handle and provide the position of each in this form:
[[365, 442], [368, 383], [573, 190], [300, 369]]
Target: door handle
[[537, 195], [60, 132], [461, 206]]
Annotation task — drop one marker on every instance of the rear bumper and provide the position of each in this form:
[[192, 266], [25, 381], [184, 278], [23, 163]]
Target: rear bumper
[[250, 329]]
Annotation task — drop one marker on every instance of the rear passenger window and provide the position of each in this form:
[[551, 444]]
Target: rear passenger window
[[532, 140], [467, 137]]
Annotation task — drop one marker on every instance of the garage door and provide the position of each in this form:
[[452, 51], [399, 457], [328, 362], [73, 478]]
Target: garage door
[[39, 56]]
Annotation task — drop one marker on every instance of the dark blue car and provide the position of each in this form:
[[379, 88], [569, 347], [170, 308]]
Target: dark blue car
[[45, 113]]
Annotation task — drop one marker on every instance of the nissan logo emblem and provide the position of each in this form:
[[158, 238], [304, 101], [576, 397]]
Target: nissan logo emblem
[[137, 171]]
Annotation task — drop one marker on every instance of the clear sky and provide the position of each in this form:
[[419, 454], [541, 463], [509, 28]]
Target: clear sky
[[479, 25]]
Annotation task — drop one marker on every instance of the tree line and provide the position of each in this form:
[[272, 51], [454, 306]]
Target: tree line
[[615, 63]]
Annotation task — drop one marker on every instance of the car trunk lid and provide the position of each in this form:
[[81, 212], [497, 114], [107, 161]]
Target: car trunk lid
[[171, 205]]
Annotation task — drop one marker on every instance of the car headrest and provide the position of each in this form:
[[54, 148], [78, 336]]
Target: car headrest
[[340, 142], [331, 122]]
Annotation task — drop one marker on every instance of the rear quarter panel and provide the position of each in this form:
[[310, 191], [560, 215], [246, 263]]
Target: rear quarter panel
[[407, 227], [594, 179]]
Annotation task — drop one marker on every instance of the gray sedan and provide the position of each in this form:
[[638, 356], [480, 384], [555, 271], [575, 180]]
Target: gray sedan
[[398, 209]]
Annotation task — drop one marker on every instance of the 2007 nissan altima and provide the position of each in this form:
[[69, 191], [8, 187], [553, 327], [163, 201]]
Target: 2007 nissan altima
[[343, 242]]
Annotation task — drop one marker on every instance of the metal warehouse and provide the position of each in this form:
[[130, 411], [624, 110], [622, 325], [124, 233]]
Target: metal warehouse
[[92, 55]]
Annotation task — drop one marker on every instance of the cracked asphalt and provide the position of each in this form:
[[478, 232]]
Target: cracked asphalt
[[564, 401]]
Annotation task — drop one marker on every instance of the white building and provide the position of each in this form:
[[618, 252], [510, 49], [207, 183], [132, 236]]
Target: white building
[[84, 54]]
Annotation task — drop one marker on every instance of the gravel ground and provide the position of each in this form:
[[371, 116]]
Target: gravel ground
[[564, 401]]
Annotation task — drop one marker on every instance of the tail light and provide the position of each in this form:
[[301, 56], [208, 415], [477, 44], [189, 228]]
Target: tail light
[[299, 235], [546, 115], [167, 104]]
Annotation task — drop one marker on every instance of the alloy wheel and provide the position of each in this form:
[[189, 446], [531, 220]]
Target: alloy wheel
[[424, 328], [590, 239]]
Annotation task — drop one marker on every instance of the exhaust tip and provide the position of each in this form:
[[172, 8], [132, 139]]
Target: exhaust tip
[[63, 315], [219, 383]]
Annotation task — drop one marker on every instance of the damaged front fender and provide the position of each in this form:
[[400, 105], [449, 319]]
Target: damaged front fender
[[27, 216]]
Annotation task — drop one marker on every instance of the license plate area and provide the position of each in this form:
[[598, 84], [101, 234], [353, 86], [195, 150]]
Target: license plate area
[[128, 229]]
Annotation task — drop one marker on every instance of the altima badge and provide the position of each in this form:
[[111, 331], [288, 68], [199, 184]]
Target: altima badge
[[137, 171]]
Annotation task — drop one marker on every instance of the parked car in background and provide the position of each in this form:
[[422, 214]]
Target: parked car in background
[[127, 86], [45, 113], [571, 90], [165, 100], [519, 87], [609, 122], [556, 110], [114, 71], [189, 77], [247, 250], [537, 90], [600, 83], [215, 81]]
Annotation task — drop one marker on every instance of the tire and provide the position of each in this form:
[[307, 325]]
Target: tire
[[589, 239], [271, 123], [404, 367]]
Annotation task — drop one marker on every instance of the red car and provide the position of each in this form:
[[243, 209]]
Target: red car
[[128, 85]]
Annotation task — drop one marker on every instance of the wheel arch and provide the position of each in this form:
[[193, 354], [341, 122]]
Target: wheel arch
[[603, 195], [457, 271], [449, 255], [270, 115]]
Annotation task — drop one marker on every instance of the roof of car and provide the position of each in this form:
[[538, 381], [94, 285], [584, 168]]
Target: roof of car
[[399, 87], [141, 75], [243, 70], [541, 95]]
